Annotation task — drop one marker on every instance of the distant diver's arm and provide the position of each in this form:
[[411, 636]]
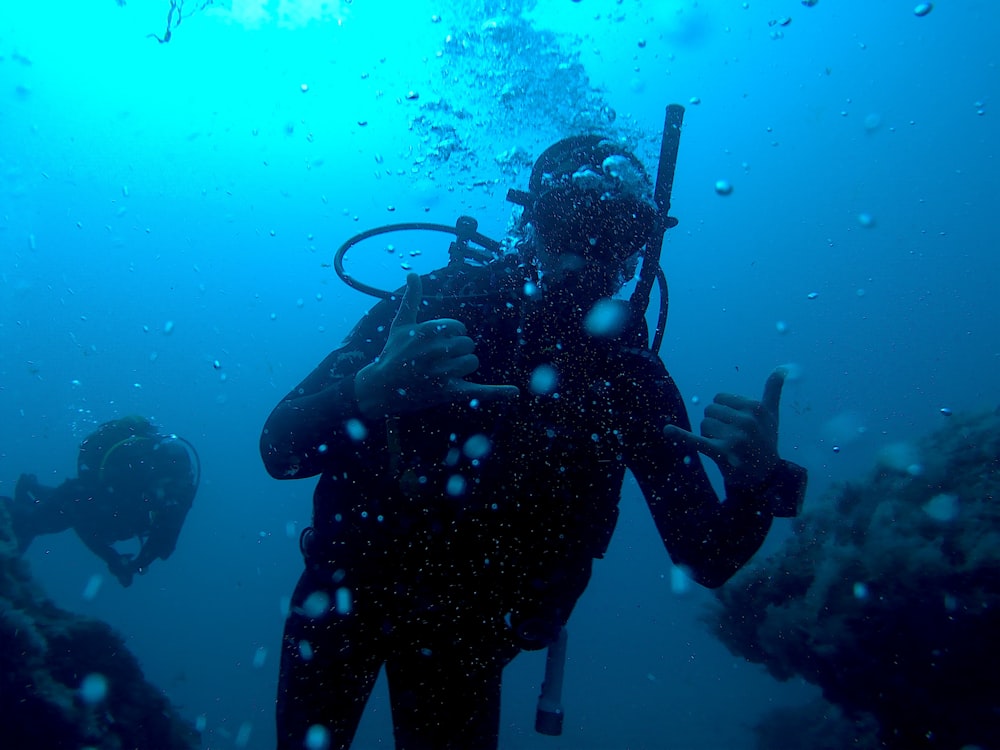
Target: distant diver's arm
[[163, 535], [119, 565]]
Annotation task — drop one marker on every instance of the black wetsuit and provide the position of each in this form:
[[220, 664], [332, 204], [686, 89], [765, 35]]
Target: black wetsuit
[[434, 530]]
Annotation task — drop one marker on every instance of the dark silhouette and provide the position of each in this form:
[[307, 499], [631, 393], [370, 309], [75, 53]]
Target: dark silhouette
[[132, 482], [471, 437]]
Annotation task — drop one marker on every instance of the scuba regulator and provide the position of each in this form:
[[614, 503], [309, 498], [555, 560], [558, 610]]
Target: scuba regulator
[[544, 206]]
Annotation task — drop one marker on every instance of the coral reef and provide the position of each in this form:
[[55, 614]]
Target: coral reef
[[68, 681], [816, 726], [888, 595]]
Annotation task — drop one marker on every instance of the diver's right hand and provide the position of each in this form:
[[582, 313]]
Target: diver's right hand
[[122, 569], [422, 365]]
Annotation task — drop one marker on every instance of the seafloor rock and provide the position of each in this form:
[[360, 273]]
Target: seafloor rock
[[68, 681], [888, 594]]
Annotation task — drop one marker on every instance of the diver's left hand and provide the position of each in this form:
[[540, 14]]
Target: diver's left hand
[[739, 434]]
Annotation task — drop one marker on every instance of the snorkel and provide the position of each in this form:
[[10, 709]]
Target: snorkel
[[651, 270]]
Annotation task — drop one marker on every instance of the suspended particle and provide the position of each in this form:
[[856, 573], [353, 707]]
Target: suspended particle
[[94, 688], [792, 370], [544, 380], [723, 187], [243, 735], [477, 446], [923, 9], [945, 411], [344, 601], [304, 88], [316, 604], [456, 485], [356, 429], [606, 319], [305, 650], [812, 295], [680, 581], [317, 738], [943, 507], [92, 587]]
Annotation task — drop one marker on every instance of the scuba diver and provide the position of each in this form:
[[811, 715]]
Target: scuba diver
[[471, 437], [132, 482]]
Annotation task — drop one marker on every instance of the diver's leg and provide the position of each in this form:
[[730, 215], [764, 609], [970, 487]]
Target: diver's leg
[[36, 510], [329, 664], [447, 697]]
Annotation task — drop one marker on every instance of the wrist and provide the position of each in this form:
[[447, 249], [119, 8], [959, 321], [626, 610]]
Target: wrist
[[368, 393]]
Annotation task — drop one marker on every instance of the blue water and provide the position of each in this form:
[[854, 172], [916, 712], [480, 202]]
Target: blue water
[[169, 212]]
